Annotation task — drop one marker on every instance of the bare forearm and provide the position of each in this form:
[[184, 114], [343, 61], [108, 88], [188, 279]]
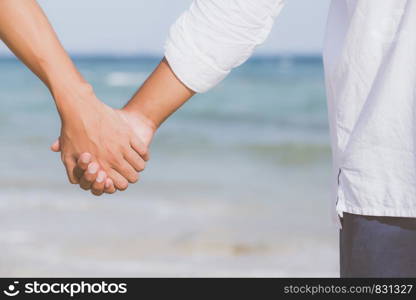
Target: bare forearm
[[159, 96], [26, 31]]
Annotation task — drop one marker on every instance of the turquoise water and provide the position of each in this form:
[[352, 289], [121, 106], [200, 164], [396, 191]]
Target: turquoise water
[[238, 183]]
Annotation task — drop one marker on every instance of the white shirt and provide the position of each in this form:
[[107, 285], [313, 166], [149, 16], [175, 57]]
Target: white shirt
[[370, 73]]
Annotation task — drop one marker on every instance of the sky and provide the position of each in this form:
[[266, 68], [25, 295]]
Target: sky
[[134, 27]]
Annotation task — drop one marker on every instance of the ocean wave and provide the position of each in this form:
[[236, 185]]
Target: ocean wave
[[125, 78]]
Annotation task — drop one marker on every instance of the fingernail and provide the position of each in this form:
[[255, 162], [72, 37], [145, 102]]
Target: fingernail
[[86, 157], [93, 168], [100, 177], [108, 184]]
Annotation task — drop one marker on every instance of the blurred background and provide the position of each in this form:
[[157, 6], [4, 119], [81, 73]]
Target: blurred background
[[238, 184]]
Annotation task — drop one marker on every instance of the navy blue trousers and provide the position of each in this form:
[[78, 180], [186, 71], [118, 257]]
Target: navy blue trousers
[[377, 246]]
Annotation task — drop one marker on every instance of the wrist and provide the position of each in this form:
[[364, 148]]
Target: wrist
[[142, 117], [143, 126], [160, 96], [71, 98]]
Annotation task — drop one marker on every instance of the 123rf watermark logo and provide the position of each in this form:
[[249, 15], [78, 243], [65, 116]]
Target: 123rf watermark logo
[[64, 288]]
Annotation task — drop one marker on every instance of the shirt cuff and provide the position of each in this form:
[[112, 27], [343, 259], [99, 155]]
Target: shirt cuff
[[192, 70]]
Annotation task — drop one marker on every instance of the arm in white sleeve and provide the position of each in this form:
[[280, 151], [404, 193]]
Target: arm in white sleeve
[[214, 36]]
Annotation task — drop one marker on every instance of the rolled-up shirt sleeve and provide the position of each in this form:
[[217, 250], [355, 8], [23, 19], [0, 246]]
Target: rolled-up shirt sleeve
[[214, 36]]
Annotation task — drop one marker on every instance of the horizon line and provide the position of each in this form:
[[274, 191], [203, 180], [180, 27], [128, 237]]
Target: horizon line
[[159, 56]]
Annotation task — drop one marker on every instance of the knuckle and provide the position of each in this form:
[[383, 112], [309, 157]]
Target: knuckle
[[145, 150], [84, 186], [133, 179], [89, 179], [115, 160], [140, 169], [122, 186], [125, 171], [82, 165], [146, 156], [96, 192], [141, 166]]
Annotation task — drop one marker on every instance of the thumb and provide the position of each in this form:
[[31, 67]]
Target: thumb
[[56, 147]]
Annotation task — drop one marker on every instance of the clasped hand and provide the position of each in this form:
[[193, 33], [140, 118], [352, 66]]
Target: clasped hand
[[102, 149]]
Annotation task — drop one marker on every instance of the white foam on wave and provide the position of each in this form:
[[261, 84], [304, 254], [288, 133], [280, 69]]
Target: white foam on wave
[[125, 78]]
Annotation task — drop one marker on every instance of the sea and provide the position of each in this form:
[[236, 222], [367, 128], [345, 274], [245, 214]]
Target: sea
[[238, 184]]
